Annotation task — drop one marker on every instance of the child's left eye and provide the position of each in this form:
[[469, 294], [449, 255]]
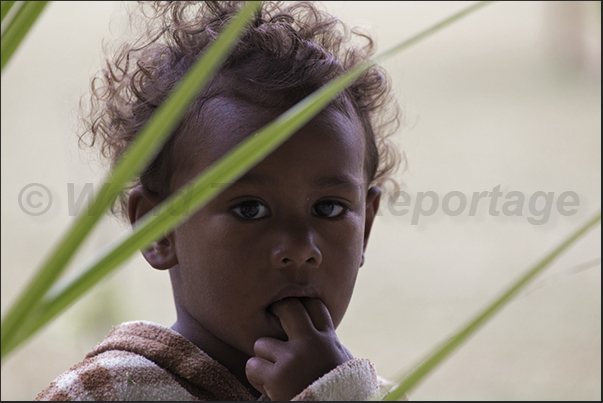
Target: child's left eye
[[328, 209]]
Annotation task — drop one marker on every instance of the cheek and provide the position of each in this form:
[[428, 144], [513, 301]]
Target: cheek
[[204, 238], [346, 240], [342, 258], [338, 302], [209, 258]]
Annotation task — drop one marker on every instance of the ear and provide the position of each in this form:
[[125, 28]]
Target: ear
[[162, 254], [373, 197]]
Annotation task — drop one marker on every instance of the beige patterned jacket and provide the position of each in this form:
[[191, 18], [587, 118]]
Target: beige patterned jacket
[[146, 361]]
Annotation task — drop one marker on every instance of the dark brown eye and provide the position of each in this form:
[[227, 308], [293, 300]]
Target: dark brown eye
[[328, 209], [251, 210]]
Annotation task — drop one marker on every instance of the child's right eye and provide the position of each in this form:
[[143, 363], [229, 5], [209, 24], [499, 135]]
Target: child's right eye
[[251, 210]]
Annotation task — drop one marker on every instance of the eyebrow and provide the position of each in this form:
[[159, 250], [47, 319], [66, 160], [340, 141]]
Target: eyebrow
[[335, 181], [321, 182]]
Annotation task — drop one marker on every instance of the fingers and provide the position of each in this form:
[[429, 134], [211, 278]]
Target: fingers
[[319, 314], [293, 316], [297, 316], [258, 371], [269, 349]]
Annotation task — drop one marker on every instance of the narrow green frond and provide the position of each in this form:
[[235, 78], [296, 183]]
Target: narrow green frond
[[18, 27], [140, 153], [435, 28], [200, 190], [5, 8], [439, 354]]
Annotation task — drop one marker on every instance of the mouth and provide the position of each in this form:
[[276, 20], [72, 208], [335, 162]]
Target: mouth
[[292, 292], [289, 292], [275, 320], [269, 308]]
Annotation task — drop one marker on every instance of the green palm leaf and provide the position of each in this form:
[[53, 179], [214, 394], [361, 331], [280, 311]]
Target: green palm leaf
[[5, 8], [189, 199], [40, 303], [16, 29], [140, 153], [439, 354]]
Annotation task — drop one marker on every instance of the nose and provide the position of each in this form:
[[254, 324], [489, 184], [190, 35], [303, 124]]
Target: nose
[[295, 247]]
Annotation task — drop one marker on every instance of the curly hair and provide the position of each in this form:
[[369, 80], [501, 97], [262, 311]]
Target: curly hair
[[287, 52]]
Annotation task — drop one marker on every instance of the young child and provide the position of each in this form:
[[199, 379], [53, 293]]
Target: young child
[[263, 274]]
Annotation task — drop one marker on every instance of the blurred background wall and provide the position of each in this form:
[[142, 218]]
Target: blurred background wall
[[510, 96]]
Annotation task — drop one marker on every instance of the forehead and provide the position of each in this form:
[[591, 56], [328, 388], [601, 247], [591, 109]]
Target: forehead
[[330, 141]]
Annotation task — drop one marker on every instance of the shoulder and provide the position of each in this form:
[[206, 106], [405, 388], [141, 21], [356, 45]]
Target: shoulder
[[146, 361], [356, 379], [353, 380], [115, 375]]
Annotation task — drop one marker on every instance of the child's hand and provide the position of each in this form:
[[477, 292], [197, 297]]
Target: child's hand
[[282, 369]]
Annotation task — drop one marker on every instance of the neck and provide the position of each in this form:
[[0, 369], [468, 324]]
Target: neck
[[231, 358]]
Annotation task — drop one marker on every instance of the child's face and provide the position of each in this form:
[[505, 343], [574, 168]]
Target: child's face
[[295, 225]]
